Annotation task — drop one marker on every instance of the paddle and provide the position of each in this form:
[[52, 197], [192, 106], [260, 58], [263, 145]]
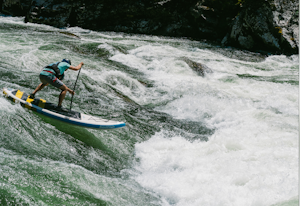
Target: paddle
[[74, 88]]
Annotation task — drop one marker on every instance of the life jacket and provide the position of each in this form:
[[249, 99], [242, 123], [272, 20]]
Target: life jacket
[[56, 70]]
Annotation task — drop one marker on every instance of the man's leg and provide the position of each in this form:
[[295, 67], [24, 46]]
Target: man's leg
[[63, 93], [38, 88]]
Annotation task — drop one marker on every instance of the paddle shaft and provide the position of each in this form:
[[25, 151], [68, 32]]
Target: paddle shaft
[[74, 88]]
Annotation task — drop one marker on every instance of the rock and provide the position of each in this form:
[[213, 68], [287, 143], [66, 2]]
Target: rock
[[268, 26], [254, 23], [286, 19], [14, 7], [246, 42], [201, 69], [54, 13], [69, 34], [255, 29], [211, 18]]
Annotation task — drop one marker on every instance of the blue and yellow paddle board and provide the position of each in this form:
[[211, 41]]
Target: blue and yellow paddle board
[[65, 115]]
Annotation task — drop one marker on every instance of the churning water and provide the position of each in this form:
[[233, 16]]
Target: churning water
[[228, 138]]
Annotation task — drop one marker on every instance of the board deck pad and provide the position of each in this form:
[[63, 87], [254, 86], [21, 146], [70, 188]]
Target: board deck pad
[[51, 110], [46, 105]]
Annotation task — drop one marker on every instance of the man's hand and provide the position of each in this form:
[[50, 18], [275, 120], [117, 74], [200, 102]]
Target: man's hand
[[71, 91], [77, 67]]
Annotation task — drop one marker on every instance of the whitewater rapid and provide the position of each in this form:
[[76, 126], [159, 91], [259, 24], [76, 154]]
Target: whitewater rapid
[[251, 159], [228, 138]]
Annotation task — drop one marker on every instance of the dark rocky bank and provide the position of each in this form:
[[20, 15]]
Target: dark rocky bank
[[265, 26]]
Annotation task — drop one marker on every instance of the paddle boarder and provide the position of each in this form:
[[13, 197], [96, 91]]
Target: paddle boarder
[[53, 74]]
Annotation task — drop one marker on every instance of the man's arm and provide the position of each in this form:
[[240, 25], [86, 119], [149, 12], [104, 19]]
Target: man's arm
[[77, 67]]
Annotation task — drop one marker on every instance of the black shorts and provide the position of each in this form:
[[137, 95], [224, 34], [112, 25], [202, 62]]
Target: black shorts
[[53, 80]]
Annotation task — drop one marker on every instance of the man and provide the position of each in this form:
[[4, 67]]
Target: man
[[53, 74]]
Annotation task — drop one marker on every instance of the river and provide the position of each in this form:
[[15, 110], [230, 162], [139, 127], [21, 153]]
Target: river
[[229, 138]]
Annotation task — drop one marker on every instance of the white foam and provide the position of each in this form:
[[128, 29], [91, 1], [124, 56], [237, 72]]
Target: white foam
[[251, 159], [222, 171]]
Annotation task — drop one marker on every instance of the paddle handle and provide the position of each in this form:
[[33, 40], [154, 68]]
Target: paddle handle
[[74, 88]]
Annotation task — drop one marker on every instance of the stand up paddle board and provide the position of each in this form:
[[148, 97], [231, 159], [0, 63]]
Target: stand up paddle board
[[65, 115]]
